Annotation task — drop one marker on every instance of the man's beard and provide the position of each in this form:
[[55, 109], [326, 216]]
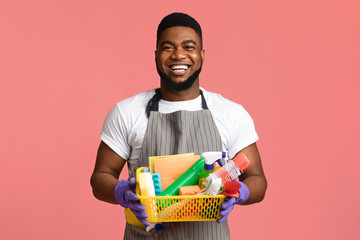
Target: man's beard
[[181, 86]]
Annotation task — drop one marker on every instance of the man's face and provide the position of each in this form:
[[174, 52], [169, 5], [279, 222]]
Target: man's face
[[179, 57]]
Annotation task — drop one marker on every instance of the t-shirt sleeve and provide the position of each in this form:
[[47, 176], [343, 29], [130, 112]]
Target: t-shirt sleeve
[[114, 133], [242, 132]]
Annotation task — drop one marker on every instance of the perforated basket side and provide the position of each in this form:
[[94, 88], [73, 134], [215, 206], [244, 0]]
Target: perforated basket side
[[181, 208]]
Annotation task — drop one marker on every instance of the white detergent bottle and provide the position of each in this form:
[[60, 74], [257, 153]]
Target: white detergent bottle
[[210, 159]]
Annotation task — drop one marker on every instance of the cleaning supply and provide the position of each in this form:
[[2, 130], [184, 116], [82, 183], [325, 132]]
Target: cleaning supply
[[146, 170], [180, 208], [233, 168], [212, 186], [190, 177], [231, 188], [189, 190], [157, 183], [153, 159], [172, 168], [229, 203], [210, 159], [146, 184]]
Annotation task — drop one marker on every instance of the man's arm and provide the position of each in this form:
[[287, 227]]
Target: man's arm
[[106, 173], [253, 175]]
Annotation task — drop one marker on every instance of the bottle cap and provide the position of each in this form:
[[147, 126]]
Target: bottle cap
[[208, 167], [241, 161]]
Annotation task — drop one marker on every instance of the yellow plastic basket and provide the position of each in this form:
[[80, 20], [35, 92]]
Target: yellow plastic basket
[[180, 208]]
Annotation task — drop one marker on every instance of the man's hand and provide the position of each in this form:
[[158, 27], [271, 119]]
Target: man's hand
[[230, 202], [126, 197]]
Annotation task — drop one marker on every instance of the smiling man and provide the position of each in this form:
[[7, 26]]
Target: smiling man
[[179, 117], [179, 58]]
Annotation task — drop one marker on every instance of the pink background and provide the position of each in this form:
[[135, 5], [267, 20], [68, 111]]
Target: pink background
[[294, 65]]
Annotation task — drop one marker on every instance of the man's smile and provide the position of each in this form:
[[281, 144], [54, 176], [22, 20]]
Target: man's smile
[[178, 69]]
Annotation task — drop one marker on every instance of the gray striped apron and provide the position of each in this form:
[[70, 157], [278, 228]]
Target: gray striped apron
[[176, 133]]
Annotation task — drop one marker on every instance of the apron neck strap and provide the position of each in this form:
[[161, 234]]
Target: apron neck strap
[[153, 104], [203, 102]]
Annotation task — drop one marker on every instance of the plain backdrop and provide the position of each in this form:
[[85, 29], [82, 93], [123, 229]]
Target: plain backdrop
[[293, 65]]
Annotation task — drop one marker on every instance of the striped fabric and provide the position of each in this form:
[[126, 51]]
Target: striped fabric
[[180, 132], [181, 230], [176, 133]]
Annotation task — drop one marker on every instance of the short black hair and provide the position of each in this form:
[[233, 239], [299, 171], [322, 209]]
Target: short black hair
[[177, 19]]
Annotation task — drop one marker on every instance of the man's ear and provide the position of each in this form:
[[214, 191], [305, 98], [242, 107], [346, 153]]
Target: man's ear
[[203, 54]]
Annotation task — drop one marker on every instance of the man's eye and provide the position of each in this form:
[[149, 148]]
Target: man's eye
[[167, 48], [189, 47]]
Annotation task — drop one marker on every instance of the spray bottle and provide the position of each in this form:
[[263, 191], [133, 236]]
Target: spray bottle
[[210, 159]]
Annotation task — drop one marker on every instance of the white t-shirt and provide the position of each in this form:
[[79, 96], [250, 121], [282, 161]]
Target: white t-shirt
[[125, 125]]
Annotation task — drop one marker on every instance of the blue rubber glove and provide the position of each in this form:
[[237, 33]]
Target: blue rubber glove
[[126, 197], [230, 202]]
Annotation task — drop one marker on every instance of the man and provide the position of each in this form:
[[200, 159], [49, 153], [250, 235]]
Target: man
[[179, 117]]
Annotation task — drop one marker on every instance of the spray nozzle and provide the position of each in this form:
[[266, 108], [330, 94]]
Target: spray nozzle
[[219, 162], [211, 158]]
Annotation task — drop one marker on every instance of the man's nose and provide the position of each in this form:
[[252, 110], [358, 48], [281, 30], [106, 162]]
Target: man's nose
[[178, 53]]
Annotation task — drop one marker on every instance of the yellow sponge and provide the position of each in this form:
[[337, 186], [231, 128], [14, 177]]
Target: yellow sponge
[[146, 184]]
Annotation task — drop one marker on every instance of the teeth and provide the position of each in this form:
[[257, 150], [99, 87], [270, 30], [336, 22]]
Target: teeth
[[179, 67]]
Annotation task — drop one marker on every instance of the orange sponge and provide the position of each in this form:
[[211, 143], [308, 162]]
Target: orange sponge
[[189, 190]]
